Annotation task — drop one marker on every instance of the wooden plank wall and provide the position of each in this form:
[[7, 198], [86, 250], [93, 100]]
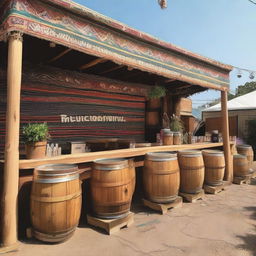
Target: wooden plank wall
[[215, 123], [49, 93]]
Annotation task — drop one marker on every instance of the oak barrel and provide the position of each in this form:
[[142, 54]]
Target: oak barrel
[[168, 138], [214, 162], [55, 202], [161, 177], [247, 151], [240, 165], [191, 171], [177, 138], [152, 118], [112, 187]]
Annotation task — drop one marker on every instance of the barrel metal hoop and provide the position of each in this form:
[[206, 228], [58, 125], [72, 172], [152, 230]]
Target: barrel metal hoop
[[187, 168], [45, 199], [161, 172], [56, 174], [191, 155], [112, 168], [110, 185], [216, 167], [57, 180], [161, 159]]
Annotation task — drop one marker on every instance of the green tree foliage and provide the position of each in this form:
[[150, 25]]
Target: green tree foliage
[[246, 88]]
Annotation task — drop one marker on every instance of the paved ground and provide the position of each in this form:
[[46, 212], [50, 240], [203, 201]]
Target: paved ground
[[219, 225]]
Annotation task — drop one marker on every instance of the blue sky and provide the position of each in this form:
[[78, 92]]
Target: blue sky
[[220, 29]]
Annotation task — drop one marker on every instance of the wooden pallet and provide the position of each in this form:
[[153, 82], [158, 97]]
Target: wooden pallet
[[163, 208], [242, 180], [214, 189], [111, 225], [192, 198], [253, 174]]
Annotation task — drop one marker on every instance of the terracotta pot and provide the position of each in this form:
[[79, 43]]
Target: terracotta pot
[[36, 150]]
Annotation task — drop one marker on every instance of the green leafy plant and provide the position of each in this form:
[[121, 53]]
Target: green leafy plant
[[157, 92], [36, 132], [176, 125]]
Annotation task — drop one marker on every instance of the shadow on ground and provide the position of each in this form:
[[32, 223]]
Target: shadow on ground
[[249, 240]]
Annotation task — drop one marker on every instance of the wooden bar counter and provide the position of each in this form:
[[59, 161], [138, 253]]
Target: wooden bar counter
[[83, 160], [119, 153]]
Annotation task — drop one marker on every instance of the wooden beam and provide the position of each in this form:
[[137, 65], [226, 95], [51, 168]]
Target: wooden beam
[[11, 166], [225, 136], [91, 156], [93, 63], [170, 80], [111, 69], [59, 55]]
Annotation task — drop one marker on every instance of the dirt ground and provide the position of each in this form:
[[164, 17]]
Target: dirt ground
[[219, 225]]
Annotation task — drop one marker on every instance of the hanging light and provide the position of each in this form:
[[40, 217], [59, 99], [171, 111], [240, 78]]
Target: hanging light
[[252, 75], [239, 73], [163, 3]]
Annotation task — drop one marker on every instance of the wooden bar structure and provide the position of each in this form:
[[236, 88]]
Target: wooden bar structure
[[94, 73]]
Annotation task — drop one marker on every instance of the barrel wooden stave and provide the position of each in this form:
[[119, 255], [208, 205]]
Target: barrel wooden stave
[[161, 179], [152, 118], [112, 190], [167, 139], [240, 165], [191, 171], [55, 207], [247, 151], [214, 162]]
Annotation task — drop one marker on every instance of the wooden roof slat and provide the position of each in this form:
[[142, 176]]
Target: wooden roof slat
[[60, 55], [111, 69], [93, 63]]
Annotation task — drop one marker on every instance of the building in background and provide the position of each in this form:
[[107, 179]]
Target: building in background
[[240, 109]]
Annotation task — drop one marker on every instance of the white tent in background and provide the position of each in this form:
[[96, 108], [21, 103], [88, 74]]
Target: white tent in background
[[240, 111], [247, 101]]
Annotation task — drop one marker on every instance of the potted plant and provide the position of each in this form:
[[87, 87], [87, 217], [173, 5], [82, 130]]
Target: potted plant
[[35, 137], [177, 127], [154, 96]]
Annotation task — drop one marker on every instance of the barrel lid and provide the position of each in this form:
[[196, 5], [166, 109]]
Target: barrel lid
[[169, 133], [62, 169], [161, 156], [176, 133], [243, 146], [190, 153], [239, 156], [212, 152], [110, 164]]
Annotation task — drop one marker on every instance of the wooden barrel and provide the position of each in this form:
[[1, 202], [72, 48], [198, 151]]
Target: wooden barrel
[[191, 171], [55, 202], [167, 138], [240, 165], [247, 151], [214, 162], [177, 138], [112, 187], [152, 117], [161, 177]]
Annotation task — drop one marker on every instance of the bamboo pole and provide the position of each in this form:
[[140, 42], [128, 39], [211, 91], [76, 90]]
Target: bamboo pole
[[225, 135], [11, 167]]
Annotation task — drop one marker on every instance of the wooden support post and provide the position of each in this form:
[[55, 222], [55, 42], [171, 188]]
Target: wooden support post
[[11, 167], [225, 136]]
